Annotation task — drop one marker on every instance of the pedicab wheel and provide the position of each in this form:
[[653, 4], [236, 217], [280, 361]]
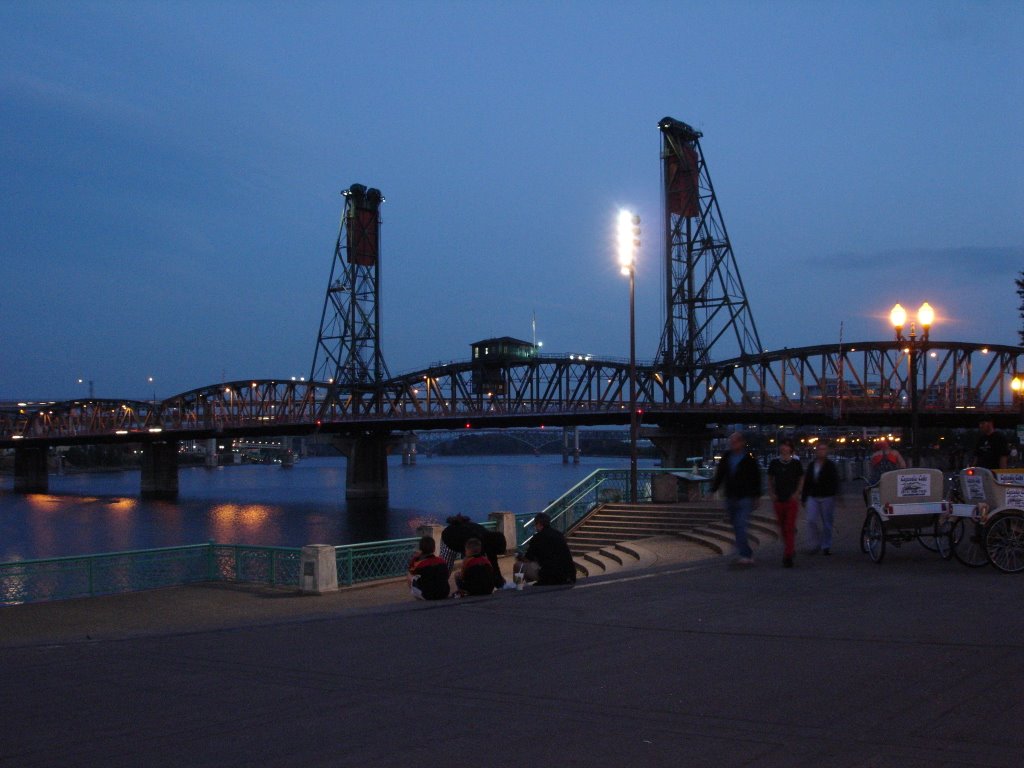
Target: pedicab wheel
[[928, 541], [1004, 542], [968, 540], [872, 537]]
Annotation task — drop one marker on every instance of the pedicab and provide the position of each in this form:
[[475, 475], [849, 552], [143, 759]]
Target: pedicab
[[995, 531], [907, 505]]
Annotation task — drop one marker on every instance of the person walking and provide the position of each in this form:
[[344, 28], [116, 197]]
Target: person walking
[[785, 484], [740, 477], [821, 485]]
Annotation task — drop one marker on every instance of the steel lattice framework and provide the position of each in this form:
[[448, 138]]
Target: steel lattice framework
[[347, 351], [706, 305], [800, 385]]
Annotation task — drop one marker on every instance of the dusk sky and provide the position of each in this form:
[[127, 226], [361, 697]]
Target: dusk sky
[[171, 174]]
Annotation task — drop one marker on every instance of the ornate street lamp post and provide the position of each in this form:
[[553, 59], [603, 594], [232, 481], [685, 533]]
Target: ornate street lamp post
[[915, 346]]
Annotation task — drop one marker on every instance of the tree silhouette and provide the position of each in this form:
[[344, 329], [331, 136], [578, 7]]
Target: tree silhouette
[[1020, 293]]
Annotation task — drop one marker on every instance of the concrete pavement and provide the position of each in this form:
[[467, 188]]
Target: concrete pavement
[[837, 662]]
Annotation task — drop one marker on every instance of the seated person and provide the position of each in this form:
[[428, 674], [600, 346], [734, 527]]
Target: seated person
[[428, 573], [548, 559], [884, 459], [461, 529], [477, 575]]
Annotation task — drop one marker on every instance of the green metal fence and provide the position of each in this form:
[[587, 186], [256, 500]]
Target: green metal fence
[[374, 560], [602, 486], [378, 559], [59, 578], [30, 581]]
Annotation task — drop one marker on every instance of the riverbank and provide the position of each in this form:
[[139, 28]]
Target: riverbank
[[697, 664]]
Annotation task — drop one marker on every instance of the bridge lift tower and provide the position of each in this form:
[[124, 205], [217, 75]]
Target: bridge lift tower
[[347, 353], [706, 304], [347, 350]]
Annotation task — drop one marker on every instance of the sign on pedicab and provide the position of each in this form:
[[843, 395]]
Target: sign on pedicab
[[972, 487], [913, 484], [1015, 497]]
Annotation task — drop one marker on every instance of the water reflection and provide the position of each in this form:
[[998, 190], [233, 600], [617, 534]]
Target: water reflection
[[244, 523], [263, 505]]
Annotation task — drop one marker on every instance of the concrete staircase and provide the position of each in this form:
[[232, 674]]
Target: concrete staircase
[[607, 540]]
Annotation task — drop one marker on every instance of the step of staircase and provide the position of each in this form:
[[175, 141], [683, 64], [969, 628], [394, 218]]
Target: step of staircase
[[616, 524], [613, 558]]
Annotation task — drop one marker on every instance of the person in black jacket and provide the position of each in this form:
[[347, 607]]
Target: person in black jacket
[[737, 472], [821, 485], [461, 529], [549, 550]]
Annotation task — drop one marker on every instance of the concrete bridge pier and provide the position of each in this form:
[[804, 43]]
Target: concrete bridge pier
[[676, 446], [211, 452], [409, 441], [31, 474], [160, 470], [366, 473], [575, 445]]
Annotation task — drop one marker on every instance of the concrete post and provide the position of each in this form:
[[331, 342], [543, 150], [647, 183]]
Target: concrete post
[[319, 569], [30, 470], [505, 524], [434, 532], [160, 470], [575, 445]]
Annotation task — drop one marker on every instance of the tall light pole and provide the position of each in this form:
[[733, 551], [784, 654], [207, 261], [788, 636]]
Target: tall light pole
[[629, 244], [916, 345]]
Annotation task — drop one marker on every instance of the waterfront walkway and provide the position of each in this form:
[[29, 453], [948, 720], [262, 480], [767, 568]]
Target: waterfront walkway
[[837, 662]]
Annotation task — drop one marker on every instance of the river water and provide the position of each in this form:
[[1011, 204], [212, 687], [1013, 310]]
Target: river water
[[266, 505]]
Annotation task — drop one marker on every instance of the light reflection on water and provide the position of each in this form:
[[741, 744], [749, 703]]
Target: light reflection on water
[[266, 505]]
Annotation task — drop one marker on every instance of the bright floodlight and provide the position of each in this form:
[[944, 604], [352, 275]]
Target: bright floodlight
[[898, 316], [926, 315], [625, 237], [1016, 384]]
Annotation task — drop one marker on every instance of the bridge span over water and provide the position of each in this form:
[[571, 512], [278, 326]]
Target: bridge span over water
[[863, 384], [711, 368]]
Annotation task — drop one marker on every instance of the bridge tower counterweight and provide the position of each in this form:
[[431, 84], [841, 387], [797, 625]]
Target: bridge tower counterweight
[[348, 350], [706, 305]]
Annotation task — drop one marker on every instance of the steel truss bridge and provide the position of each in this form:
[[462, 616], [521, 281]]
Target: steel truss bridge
[[710, 367], [864, 383]]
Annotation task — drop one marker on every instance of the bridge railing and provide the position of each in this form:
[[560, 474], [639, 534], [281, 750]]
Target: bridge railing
[[601, 486]]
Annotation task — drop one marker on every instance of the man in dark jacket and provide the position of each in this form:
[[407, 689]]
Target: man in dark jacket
[[549, 550], [821, 484], [739, 475]]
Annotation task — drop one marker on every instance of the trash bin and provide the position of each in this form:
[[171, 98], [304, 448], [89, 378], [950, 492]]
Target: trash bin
[[319, 569]]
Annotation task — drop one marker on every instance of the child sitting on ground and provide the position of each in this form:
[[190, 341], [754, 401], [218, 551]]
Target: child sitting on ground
[[477, 575], [428, 573]]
